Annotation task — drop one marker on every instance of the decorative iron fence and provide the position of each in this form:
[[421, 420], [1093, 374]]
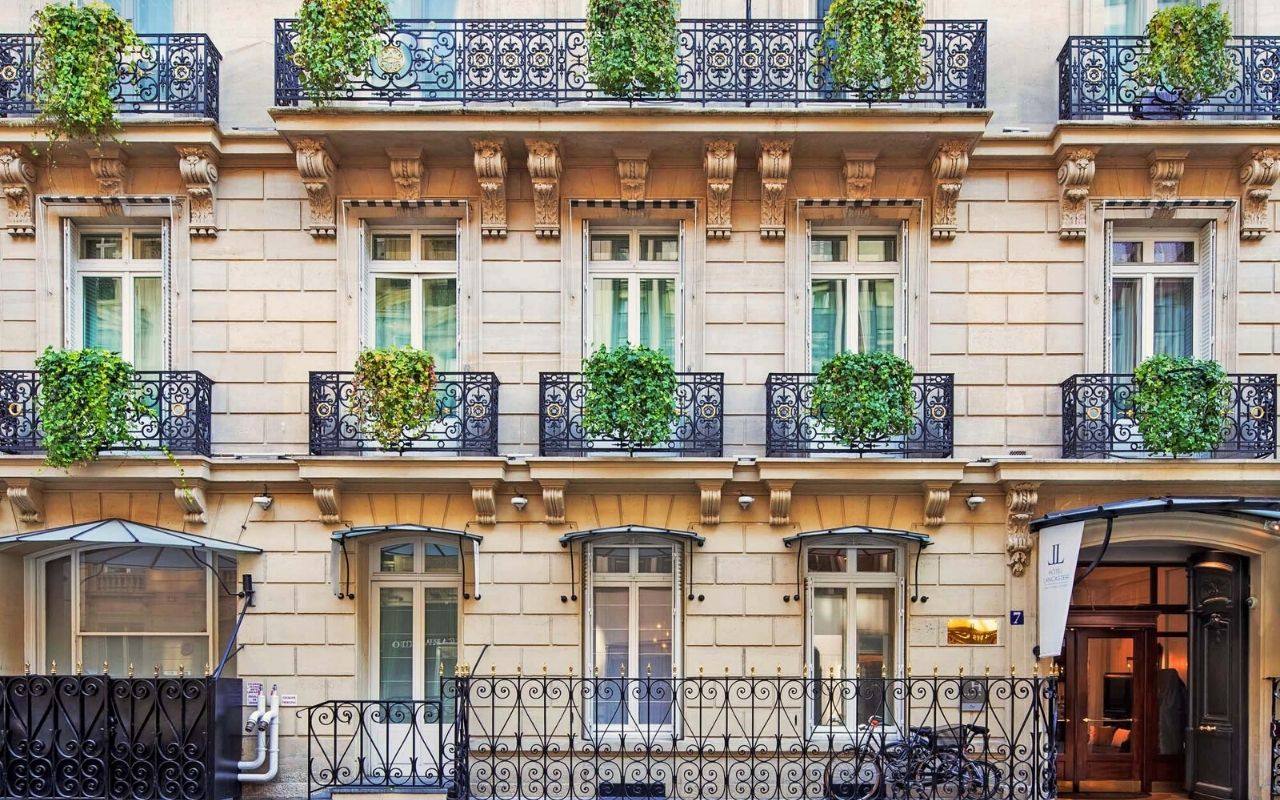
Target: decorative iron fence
[[728, 61], [393, 744], [794, 427], [179, 407], [95, 736], [465, 422], [172, 73], [1098, 418], [1275, 737], [697, 431], [1096, 78]]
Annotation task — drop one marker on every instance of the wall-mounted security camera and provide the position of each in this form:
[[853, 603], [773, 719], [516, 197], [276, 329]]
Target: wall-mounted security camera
[[973, 501], [745, 501], [519, 502]]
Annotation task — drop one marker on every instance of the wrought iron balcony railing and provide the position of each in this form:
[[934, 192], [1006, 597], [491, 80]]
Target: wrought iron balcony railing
[[1098, 419], [465, 422], [697, 431], [97, 736], [1275, 737], [794, 427], [179, 408], [1096, 78], [552, 737], [172, 73], [721, 61]]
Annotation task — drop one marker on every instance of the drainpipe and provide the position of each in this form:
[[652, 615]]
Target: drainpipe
[[272, 720], [257, 723]]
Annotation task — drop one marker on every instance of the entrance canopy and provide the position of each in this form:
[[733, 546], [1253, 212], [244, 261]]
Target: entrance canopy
[[123, 532], [1263, 509], [340, 559]]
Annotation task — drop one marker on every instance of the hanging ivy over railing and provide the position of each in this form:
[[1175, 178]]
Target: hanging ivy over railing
[[874, 46], [87, 401], [630, 395], [1179, 403], [80, 52], [631, 47], [336, 39], [865, 397], [1187, 51], [394, 394]]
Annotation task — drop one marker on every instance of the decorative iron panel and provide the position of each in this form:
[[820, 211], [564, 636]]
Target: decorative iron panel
[[697, 431], [179, 408], [465, 422], [794, 427], [1098, 419], [723, 61], [172, 73], [1096, 78], [1275, 737]]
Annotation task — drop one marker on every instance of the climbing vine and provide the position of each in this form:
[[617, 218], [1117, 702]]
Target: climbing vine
[[874, 46], [394, 394], [1179, 403], [631, 46], [87, 401], [865, 397], [336, 39], [1187, 51], [630, 395]]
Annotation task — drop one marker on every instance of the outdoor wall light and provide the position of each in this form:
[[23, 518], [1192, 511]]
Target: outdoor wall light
[[263, 500], [745, 501], [973, 501], [519, 502]]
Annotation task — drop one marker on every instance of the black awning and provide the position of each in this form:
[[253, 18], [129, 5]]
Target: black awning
[[860, 530], [633, 530], [124, 532], [1262, 509], [339, 560], [370, 530]]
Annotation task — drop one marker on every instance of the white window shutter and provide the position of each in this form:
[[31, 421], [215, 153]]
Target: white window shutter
[[807, 293], [587, 307], [457, 299], [364, 291], [1107, 322], [680, 299], [70, 295], [903, 314], [166, 290], [1207, 293]]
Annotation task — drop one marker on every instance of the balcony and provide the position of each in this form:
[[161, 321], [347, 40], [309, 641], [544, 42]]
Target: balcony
[[465, 422], [1096, 79], [793, 427], [721, 61], [175, 74], [180, 404], [1098, 418]]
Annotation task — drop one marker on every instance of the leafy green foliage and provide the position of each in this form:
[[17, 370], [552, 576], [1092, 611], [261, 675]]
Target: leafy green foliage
[[631, 46], [336, 39], [394, 394], [1179, 404], [1187, 51], [87, 400], [865, 397], [874, 46], [76, 67], [630, 395]]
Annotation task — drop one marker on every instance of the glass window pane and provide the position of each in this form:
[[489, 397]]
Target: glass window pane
[[611, 614], [877, 559], [149, 16], [392, 247], [440, 647], [828, 248], [654, 560], [392, 315], [612, 559], [828, 321], [147, 246], [1171, 695], [1175, 252], [1126, 322], [101, 245], [658, 315], [395, 643], [439, 557], [1174, 316], [1171, 585], [830, 615], [877, 248], [654, 698], [148, 323], [103, 312], [875, 316], [143, 590], [440, 321], [610, 311], [828, 559], [611, 247], [877, 636], [440, 247], [660, 247], [1126, 252], [172, 654], [1114, 586], [396, 558], [57, 612]]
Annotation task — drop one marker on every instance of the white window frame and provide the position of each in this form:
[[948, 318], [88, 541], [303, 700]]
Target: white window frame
[[126, 268], [1146, 272], [852, 271], [634, 270], [416, 270]]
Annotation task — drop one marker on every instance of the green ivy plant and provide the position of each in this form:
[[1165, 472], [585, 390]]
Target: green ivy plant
[[631, 47], [865, 397], [394, 394], [1187, 51], [630, 395], [1179, 403], [76, 68], [874, 46], [336, 39], [87, 400]]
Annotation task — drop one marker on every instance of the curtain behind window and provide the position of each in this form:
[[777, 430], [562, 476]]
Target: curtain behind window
[[1125, 306], [1174, 316], [103, 313], [828, 321], [875, 316]]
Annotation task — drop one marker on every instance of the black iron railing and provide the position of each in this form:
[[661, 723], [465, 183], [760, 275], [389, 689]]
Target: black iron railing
[[172, 73], [723, 61], [1275, 737], [697, 431], [393, 744], [178, 410], [465, 422], [794, 427], [1098, 418], [1096, 78], [95, 736]]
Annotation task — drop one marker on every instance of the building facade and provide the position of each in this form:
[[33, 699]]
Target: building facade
[[1024, 230]]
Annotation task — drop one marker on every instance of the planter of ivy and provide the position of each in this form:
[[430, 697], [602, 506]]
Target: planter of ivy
[[630, 396], [336, 42], [393, 396], [632, 47], [873, 47], [88, 403], [1186, 61], [1179, 404], [864, 399]]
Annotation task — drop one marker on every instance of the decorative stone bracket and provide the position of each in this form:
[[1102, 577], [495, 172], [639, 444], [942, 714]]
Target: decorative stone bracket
[[775, 170], [199, 169], [633, 173], [484, 498], [936, 497], [553, 501], [720, 162], [780, 502], [318, 168], [1258, 176], [859, 173], [328, 497], [1165, 166], [17, 180], [949, 166], [191, 499], [27, 499], [1021, 499], [491, 171], [709, 501], [544, 170], [110, 168], [408, 172], [1075, 175]]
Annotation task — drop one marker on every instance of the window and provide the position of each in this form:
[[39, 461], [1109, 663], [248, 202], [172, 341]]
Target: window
[[854, 283], [855, 629], [423, 9], [1129, 17], [118, 301], [413, 276], [1154, 297], [632, 633], [150, 607], [634, 277], [147, 16]]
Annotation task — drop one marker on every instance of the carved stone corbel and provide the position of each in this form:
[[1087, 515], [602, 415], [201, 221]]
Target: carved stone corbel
[[491, 171], [1165, 166], [1075, 174], [1021, 499], [199, 169], [27, 499], [110, 167], [318, 168], [408, 172], [780, 502], [936, 497], [18, 179], [544, 170], [709, 501], [328, 497], [775, 170], [553, 501], [1258, 176], [859, 173], [633, 173], [720, 162], [484, 498], [192, 501], [949, 166]]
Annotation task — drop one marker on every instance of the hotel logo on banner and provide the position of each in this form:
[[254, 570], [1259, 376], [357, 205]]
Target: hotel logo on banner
[[1059, 551]]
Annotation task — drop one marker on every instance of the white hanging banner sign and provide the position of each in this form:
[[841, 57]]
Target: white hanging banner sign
[[1058, 552]]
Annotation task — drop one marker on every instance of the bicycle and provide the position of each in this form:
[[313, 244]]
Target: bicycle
[[931, 758]]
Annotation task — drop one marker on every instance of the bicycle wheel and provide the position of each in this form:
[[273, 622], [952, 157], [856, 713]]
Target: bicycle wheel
[[856, 780], [979, 781]]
